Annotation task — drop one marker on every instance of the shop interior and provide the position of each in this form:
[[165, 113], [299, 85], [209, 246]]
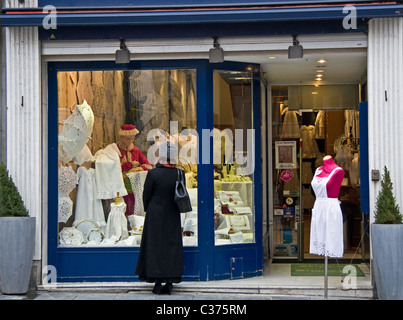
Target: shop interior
[[314, 112]]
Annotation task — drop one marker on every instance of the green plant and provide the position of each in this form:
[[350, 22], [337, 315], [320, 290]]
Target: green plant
[[11, 204], [386, 209]]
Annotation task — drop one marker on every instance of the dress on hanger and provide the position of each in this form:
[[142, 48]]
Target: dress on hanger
[[290, 127], [309, 145], [108, 173], [327, 220]]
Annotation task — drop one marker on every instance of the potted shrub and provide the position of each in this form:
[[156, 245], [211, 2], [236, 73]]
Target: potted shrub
[[387, 243], [17, 238]]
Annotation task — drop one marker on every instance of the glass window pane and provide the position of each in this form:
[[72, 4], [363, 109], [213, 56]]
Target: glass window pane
[[233, 158], [102, 166]]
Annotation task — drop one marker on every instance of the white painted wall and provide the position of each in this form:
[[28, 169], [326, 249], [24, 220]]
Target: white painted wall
[[385, 76], [24, 119]]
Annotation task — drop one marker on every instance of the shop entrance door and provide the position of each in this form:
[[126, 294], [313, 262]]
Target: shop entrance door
[[301, 138]]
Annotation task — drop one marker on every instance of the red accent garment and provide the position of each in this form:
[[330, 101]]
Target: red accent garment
[[126, 158], [133, 154]]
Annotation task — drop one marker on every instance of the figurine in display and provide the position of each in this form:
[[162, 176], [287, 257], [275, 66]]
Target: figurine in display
[[327, 219], [161, 257], [131, 160]]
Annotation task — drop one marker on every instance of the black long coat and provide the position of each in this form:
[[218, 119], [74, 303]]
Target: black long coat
[[161, 254]]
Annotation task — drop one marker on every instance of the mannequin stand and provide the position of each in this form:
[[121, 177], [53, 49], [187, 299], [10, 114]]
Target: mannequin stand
[[325, 286]]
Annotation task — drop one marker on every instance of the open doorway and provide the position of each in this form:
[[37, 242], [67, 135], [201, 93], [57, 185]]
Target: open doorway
[[314, 112]]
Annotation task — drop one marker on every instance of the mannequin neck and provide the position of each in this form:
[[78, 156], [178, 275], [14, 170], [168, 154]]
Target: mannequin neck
[[328, 164]]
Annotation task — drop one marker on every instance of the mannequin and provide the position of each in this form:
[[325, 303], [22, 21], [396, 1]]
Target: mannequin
[[327, 218], [117, 222], [334, 184]]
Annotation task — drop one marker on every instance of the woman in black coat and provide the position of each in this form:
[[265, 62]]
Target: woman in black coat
[[161, 255]]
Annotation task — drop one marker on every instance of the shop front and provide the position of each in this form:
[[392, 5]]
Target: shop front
[[250, 130]]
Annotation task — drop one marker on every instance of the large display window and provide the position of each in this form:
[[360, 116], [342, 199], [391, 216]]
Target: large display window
[[106, 122], [233, 157], [110, 126]]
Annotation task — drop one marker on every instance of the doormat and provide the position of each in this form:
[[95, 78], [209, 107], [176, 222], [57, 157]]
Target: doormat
[[316, 269]]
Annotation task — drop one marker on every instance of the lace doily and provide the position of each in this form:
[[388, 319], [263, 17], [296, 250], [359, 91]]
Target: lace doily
[[67, 180], [70, 236], [65, 209], [95, 236], [86, 226]]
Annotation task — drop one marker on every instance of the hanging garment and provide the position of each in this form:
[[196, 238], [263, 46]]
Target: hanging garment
[[67, 182], [109, 173], [327, 220], [137, 180], [320, 125], [290, 127], [117, 222], [87, 204], [309, 146]]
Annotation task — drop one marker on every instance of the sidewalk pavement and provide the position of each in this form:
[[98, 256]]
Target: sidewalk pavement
[[276, 284]]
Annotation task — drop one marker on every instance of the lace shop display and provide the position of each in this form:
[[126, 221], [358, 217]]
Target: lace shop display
[[70, 236], [137, 180], [87, 204], [76, 131], [90, 231], [117, 223], [109, 179], [67, 183]]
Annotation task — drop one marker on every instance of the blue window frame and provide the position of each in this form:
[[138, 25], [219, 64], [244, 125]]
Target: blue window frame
[[205, 262]]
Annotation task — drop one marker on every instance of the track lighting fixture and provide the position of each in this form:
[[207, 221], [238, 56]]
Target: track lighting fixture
[[216, 54], [296, 50], [122, 55]]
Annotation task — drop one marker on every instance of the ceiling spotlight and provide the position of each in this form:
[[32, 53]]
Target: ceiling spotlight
[[272, 57], [296, 50], [321, 61], [122, 55], [216, 54]]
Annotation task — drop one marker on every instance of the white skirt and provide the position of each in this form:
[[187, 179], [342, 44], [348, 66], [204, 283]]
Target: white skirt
[[327, 228]]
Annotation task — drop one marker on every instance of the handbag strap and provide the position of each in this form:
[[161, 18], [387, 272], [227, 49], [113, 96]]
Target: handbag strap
[[180, 175]]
